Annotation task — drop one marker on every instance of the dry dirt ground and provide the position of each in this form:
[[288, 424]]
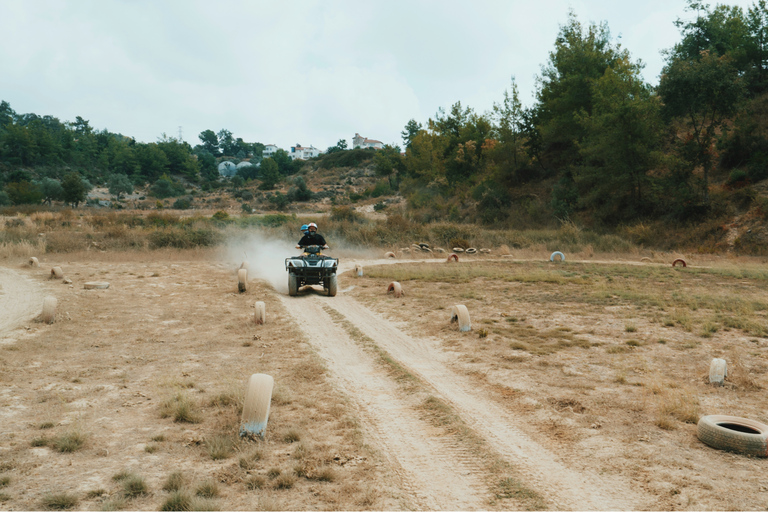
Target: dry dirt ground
[[575, 389]]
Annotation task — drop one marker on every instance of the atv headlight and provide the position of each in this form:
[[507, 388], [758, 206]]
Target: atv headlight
[[295, 263], [329, 263]]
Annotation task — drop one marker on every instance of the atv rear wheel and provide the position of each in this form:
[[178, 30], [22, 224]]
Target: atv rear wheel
[[293, 285], [332, 286]]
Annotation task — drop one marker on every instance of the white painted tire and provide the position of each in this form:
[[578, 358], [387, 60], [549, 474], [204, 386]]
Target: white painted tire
[[557, 253], [96, 285], [458, 249], [396, 289], [359, 270], [258, 397], [242, 280], [260, 315], [645, 260], [57, 273], [460, 314], [471, 250], [49, 310], [390, 255], [33, 262], [718, 371]]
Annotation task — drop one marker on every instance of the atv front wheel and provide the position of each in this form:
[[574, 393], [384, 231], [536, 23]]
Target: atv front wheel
[[293, 285], [332, 286]]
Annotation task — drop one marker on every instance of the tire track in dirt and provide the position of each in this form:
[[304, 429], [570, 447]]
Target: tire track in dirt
[[21, 299], [434, 475], [564, 488]]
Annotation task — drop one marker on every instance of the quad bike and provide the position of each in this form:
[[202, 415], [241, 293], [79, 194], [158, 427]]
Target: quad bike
[[312, 267]]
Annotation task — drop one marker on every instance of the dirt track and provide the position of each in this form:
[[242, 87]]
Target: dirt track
[[443, 475], [21, 299]]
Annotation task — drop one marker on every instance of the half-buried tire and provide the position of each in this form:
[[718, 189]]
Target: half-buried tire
[[242, 280], [460, 314], [49, 310], [258, 396], [57, 273], [734, 434], [679, 260], [396, 289], [452, 257], [557, 253], [260, 315]]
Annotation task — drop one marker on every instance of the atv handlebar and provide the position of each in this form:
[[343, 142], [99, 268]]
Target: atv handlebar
[[313, 245]]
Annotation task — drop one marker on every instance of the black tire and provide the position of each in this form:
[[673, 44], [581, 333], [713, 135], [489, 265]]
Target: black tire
[[333, 286], [734, 434], [293, 285]]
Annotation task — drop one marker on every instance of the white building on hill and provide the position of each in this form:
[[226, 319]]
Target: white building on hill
[[363, 142], [303, 153], [269, 150]]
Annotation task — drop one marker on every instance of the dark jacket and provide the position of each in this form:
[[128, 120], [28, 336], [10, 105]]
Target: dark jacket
[[312, 239]]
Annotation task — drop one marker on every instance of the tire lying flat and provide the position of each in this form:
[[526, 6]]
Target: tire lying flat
[[734, 434]]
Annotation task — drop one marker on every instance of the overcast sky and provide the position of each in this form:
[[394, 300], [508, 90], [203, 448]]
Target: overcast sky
[[288, 72]]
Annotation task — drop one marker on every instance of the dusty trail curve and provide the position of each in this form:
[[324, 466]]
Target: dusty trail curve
[[436, 473], [21, 299]]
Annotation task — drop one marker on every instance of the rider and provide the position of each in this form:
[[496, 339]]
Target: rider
[[312, 237]]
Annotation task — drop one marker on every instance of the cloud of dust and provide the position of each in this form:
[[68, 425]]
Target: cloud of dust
[[265, 257]]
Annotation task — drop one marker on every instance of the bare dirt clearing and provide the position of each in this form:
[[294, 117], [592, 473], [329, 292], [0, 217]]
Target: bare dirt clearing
[[575, 389]]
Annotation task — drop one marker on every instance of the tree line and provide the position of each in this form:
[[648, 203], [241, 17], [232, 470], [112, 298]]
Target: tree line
[[611, 146]]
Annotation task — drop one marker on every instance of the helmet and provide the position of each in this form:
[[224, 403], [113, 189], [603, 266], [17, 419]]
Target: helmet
[[312, 225], [304, 227]]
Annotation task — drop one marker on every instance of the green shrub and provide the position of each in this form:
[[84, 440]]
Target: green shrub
[[184, 238], [182, 204]]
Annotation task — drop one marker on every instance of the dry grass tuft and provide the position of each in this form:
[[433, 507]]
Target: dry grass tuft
[[249, 459], [174, 482], [116, 503], [178, 500], [208, 489], [256, 482], [220, 447], [134, 486], [181, 408], [69, 441], [739, 374], [59, 501], [284, 481]]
